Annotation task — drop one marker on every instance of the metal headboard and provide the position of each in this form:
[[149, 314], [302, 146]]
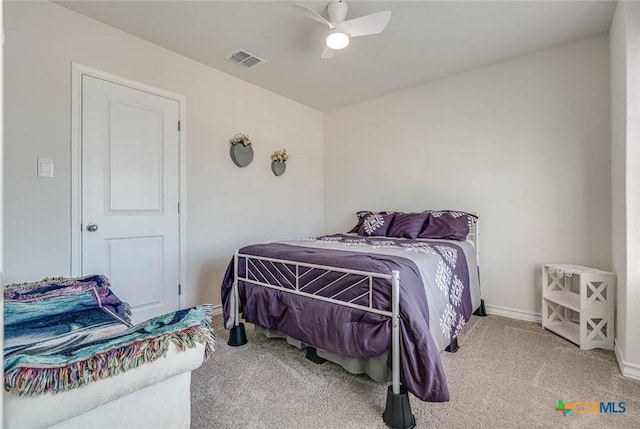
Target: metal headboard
[[474, 237]]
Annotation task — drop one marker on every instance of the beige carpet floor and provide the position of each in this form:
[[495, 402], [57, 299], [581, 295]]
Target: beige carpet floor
[[507, 374]]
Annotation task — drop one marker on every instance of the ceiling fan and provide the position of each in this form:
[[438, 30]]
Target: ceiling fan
[[340, 31]]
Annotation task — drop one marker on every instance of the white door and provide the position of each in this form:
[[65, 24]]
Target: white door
[[130, 194]]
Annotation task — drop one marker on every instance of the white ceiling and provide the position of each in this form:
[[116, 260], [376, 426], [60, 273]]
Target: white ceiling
[[424, 41]]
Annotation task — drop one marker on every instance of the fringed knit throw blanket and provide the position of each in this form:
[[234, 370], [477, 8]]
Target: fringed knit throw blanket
[[61, 334]]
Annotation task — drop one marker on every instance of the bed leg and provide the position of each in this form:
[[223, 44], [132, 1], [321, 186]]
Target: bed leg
[[397, 414], [237, 336], [312, 355], [481, 310], [453, 347]]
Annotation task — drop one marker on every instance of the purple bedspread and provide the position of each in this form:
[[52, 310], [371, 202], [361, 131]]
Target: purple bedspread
[[346, 331]]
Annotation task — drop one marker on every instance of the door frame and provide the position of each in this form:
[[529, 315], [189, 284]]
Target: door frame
[[77, 71]]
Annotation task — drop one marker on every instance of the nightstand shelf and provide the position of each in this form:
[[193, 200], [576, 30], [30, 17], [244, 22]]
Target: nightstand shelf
[[578, 304], [567, 329], [566, 299]]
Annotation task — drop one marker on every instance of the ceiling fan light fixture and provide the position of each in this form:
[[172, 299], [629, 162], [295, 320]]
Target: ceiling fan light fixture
[[337, 40]]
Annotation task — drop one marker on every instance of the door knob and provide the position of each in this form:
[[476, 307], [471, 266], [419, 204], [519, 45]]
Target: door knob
[[92, 227]]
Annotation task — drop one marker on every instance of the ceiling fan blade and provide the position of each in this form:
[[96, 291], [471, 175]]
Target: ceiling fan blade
[[327, 53], [315, 15], [368, 24]]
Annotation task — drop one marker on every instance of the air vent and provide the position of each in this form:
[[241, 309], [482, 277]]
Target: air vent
[[245, 59]]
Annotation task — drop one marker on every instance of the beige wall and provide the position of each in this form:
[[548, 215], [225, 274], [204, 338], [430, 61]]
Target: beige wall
[[625, 179], [227, 206], [525, 143]]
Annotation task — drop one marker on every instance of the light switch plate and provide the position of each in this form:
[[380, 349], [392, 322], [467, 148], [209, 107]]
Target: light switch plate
[[45, 167]]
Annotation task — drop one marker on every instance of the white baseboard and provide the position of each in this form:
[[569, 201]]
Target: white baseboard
[[217, 309], [627, 369], [513, 313]]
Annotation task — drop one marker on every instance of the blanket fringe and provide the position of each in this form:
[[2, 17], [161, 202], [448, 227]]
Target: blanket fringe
[[25, 381]]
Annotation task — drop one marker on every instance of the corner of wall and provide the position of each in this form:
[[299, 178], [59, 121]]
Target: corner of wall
[[627, 369], [625, 180]]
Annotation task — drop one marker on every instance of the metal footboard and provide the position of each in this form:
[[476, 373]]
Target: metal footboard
[[289, 276], [292, 277]]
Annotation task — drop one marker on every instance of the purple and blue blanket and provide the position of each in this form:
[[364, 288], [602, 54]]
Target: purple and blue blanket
[[434, 292], [61, 334]]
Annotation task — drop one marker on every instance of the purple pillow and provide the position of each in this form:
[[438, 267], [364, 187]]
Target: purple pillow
[[407, 225], [375, 224], [448, 225]]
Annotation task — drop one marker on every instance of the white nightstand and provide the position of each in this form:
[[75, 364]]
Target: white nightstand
[[578, 304]]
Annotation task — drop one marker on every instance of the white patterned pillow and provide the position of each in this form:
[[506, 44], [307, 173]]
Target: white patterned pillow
[[375, 224], [361, 215]]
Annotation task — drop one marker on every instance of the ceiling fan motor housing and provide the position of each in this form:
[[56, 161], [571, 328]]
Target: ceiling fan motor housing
[[337, 10]]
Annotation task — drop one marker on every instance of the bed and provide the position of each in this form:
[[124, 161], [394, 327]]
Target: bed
[[358, 299], [73, 359]]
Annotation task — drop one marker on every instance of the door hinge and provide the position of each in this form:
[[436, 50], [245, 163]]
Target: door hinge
[[80, 227], [179, 289], [179, 126], [178, 208]]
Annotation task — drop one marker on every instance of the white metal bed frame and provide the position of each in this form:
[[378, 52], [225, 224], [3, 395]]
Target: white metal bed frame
[[251, 265]]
